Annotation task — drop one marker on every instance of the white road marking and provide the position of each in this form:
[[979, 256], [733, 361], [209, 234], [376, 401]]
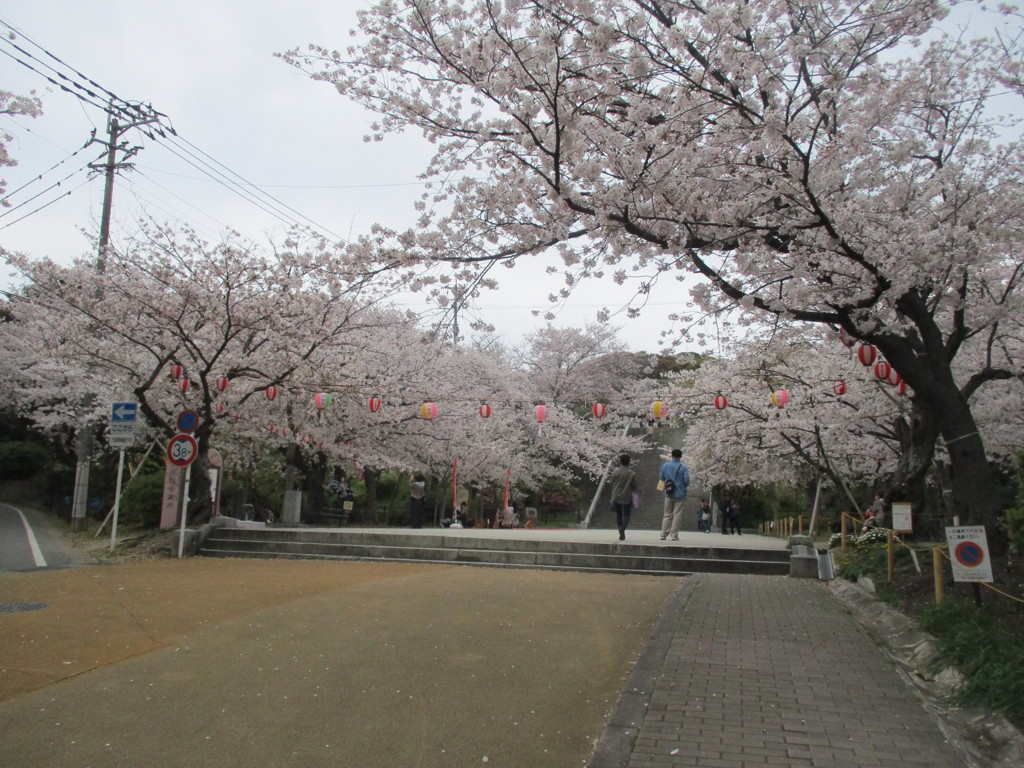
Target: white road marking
[[37, 553]]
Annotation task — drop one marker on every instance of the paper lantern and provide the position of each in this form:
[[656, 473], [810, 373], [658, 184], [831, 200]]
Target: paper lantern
[[485, 411], [221, 383], [893, 377], [540, 412], [846, 339], [183, 385], [658, 409], [428, 411], [599, 410], [236, 418], [903, 387], [222, 407], [176, 371], [271, 392], [271, 427], [322, 400], [780, 398], [866, 354], [839, 388], [373, 404], [882, 370], [721, 402], [284, 431]]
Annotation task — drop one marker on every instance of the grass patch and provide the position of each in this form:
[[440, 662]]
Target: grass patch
[[991, 660]]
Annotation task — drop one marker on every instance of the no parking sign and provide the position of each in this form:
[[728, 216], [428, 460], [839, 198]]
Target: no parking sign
[[968, 551]]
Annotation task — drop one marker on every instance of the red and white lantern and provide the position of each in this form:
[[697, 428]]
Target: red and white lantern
[[780, 398], [893, 377], [540, 412], [485, 411], [271, 392], [322, 400], [882, 370], [183, 385], [866, 354], [271, 427], [903, 387], [221, 383], [846, 339], [176, 371], [839, 388], [721, 402], [428, 411], [222, 407], [658, 409], [599, 410], [373, 404]]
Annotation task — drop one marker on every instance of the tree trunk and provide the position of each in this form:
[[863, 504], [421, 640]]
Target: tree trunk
[[370, 477]]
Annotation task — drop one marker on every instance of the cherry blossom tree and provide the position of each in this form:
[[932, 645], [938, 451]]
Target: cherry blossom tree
[[14, 104], [821, 162]]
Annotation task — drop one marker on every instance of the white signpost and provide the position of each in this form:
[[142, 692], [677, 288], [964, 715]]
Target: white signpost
[[121, 435]]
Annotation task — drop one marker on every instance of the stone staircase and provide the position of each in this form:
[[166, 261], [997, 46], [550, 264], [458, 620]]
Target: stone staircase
[[470, 547]]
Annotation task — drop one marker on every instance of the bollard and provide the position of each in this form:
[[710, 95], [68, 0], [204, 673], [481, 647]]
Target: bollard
[[937, 573]]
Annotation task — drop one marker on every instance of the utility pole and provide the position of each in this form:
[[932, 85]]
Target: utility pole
[[86, 433]]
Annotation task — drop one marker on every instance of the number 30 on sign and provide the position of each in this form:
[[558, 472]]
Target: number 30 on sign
[[182, 450]]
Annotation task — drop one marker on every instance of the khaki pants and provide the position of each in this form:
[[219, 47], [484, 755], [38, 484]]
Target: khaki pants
[[673, 517]]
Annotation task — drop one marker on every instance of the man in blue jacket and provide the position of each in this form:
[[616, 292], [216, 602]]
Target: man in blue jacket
[[676, 478]]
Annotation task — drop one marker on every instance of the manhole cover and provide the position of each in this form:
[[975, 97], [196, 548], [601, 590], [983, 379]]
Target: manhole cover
[[20, 607]]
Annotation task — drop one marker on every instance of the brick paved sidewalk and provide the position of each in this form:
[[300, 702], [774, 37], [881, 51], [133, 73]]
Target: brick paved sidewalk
[[767, 671]]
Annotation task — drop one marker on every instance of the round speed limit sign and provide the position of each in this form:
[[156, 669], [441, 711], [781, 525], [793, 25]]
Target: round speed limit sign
[[182, 450]]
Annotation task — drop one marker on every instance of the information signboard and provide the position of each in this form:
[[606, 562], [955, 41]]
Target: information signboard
[[901, 520]]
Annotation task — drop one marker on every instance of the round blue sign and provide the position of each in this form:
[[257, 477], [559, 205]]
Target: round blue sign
[[188, 421]]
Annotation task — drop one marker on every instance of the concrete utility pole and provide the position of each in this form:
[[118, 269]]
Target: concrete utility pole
[[86, 433]]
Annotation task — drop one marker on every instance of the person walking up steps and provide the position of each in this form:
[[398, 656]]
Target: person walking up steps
[[674, 478], [623, 482]]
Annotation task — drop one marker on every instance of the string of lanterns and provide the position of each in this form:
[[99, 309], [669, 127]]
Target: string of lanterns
[[867, 355]]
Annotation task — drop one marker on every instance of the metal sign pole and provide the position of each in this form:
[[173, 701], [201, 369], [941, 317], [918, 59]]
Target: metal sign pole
[[184, 511], [117, 501]]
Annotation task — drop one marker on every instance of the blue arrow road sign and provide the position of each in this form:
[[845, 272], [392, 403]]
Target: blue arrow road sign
[[124, 412]]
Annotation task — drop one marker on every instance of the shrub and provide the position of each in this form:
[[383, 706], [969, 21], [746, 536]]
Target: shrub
[[21, 460], [142, 500]]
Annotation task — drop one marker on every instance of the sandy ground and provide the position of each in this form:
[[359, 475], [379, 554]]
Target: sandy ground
[[168, 662]]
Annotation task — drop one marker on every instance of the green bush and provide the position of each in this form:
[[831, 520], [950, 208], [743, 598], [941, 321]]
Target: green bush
[[20, 460], [142, 500], [991, 659]]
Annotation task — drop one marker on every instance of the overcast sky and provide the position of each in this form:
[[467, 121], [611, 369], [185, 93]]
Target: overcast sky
[[208, 65]]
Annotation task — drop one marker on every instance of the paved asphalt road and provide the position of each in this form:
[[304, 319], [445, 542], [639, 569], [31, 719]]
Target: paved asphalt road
[[28, 542]]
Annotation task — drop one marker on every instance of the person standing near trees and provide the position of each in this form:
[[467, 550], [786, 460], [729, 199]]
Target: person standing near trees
[[623, 483], [417, 490], [674, 479]]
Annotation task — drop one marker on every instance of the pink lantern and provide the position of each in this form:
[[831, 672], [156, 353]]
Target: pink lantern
[[839, 388], [721, 402], [271, 392], [846, 339], [658, 409], [183, 385], [221, 383], [222, 407], [866, 354], [893, 377], [780, 398], [485, 411], [176, 371], [322, 400], [428, 411], [540, 412], [882, 370], [374, 404], [599, 410]]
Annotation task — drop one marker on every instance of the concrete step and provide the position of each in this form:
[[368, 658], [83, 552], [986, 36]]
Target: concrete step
[[469, 548]]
